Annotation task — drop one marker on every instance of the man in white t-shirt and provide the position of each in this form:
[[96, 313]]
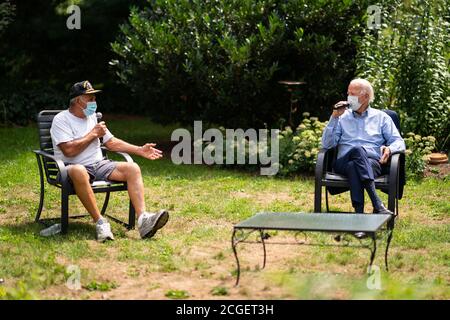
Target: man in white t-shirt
[[76, 140]]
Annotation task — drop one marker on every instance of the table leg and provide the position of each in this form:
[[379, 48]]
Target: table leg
[[373, 250], [391, 232], [234, 243], [261, 233]]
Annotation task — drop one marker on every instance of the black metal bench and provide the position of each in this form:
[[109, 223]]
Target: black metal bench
[[349, 223], [49, 167]]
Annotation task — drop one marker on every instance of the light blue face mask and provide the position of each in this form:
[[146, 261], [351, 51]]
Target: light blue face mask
[[91, 107], [354, 102]]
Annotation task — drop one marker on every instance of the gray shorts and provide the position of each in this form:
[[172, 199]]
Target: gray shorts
[[99, 171]]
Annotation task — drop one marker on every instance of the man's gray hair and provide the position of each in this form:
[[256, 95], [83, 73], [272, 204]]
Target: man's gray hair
[[366, 87], [72, 101]]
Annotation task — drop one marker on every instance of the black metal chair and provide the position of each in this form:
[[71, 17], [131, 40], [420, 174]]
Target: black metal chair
[[391, 181], [49, 167]]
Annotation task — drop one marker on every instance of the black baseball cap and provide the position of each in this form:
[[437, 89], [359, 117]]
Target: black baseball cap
[[80, 88]]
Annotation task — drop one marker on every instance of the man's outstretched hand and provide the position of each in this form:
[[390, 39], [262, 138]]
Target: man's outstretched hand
[[385, 154], [148, 151]]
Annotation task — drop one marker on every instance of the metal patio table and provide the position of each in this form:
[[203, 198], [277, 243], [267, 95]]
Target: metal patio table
[[346, 223]]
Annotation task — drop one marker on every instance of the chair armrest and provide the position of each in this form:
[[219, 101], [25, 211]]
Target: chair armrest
[[397, 152], [320, 163], [59, 163], [393, 169], [397, 160], [396, 175], [125, 155]]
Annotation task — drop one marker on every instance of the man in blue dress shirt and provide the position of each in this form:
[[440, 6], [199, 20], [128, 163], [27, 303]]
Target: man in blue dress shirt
[[365, 138]]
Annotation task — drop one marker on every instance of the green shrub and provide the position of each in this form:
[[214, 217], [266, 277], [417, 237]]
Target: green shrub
[[7, 12], [299, 149], [21, 106], [221, 60], [40, 58], [417, 150], [242, 149]]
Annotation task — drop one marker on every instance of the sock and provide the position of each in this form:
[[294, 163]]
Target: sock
[[141, 216], [369, 185], [359, 208]]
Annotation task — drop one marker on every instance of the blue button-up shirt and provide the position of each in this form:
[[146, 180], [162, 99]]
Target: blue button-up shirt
[[370, 130]]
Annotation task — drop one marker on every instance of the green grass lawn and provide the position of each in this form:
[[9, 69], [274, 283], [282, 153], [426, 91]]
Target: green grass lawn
[[192, 257]]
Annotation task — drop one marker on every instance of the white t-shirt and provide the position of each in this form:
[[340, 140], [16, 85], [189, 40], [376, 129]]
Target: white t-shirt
[[68, 127]]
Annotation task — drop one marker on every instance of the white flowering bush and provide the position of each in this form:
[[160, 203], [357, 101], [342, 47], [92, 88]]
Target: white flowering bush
[[417, 150], [299, 148]]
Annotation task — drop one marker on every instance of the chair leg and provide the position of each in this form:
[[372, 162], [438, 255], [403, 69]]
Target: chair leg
[[41, 201], [64, 211], [391, 201], [41, 196], [318, 198], [131, 217], [105, 203], [326, 199]]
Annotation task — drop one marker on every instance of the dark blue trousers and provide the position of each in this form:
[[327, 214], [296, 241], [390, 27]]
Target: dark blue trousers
[[358, 168]]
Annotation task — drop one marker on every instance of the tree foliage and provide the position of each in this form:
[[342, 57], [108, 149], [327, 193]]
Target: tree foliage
[[407, 60], [6, 14], [40, 58], [221, 60]]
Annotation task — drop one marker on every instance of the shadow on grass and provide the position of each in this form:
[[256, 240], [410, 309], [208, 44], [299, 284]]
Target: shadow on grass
[[78, 230]]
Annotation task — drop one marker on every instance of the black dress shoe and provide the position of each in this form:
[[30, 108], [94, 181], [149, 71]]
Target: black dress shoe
[[382, 210]]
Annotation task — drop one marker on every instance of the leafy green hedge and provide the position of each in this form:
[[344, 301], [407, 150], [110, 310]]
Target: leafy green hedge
[[6, 14], [40, 58], [22, 105], [221, 60]]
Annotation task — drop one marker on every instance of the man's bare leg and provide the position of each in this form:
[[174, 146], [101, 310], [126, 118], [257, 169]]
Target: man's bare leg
[[148, 223], [131, 173], [80, 180]]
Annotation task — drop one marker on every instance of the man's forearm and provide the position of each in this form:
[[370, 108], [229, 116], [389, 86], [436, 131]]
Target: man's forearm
[[118, 145], [397, 146], [75, 147], [329, 134]]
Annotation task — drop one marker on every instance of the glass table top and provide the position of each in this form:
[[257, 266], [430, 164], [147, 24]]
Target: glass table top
[[299, 221]]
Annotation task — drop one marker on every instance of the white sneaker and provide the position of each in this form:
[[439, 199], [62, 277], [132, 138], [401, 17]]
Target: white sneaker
[[103, 230], [149, 223]]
